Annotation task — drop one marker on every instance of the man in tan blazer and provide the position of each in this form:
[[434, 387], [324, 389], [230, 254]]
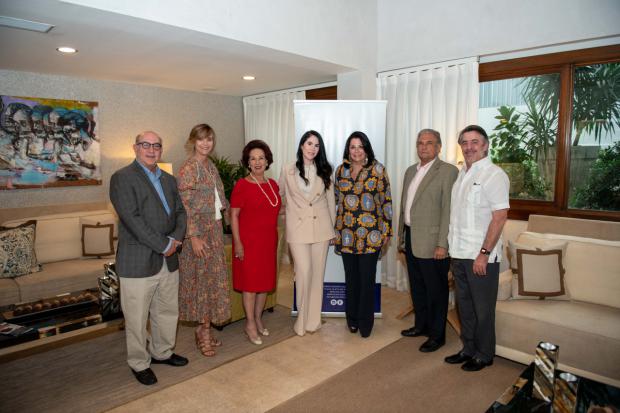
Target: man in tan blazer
[[310, 217], [423, 237]]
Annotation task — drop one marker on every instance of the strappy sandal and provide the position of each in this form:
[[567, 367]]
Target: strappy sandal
[[215, 342], [205, 346]]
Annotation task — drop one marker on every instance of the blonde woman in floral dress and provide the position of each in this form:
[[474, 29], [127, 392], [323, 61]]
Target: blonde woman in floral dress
[[204, 293]]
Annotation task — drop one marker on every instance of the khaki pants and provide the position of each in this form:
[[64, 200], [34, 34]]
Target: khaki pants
[[157, 296], [309, 260]]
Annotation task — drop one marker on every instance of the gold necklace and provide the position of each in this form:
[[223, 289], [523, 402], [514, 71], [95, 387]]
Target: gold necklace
[[265, 193]]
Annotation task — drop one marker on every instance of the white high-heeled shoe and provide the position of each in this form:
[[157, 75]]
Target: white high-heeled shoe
[[264, 332], [256, 340]]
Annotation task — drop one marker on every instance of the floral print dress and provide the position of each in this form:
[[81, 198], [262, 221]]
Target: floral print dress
[[204, 286]]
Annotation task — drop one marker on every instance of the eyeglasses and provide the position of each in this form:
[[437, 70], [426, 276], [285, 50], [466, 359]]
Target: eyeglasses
[[148, 145]]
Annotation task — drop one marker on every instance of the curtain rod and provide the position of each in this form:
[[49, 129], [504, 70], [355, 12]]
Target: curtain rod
[[412, 69]]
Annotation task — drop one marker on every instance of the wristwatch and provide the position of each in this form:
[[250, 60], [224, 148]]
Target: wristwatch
[[485, 251]]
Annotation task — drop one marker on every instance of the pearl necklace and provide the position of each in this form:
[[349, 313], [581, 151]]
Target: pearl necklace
[[265, 193]]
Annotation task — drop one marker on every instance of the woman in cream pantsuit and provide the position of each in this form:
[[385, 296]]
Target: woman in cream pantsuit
[[307, 190]]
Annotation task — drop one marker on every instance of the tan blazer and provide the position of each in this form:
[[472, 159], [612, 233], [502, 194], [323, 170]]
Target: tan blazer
[[307, 220], [430, 211]]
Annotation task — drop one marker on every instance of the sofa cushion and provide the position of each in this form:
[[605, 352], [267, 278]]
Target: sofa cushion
[[18, 251], [9, 292], [535, 244], [588, 334], [540, 273], [97, 240], [101, 219], [592, 266], [60, 277], [29, 223], [5, 256]]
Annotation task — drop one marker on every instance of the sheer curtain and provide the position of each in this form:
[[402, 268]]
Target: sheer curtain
[[270, 117], [441, 96]]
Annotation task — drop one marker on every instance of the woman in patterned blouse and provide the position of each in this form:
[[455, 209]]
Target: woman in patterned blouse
[[363, 227]]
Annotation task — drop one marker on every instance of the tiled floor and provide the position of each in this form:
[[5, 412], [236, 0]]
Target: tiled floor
[[266, 378]]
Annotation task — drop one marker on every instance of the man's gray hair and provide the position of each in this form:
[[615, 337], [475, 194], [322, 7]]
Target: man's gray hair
[[431, 132]]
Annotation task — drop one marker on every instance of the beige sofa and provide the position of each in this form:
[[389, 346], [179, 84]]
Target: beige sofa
[[586, 327], [58, 247]]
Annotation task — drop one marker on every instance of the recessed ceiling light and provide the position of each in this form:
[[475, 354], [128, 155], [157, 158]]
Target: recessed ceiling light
[[66, 50], [248, 77]]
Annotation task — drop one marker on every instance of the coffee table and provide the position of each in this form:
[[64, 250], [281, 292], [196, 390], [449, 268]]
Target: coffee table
[[76, 317], [518, 398]]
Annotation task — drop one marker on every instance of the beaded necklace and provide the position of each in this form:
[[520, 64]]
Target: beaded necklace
[[265, 193]]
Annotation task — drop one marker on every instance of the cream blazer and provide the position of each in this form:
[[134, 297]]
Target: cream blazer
[[307, 220]]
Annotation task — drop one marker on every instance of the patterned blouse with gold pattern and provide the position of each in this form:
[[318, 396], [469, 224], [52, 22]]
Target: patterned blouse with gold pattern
[[363, 209]]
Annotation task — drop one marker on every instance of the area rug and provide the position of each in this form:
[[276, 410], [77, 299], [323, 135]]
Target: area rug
[[93, 376], [399, 378]]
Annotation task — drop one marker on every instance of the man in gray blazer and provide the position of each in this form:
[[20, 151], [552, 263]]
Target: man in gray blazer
[[423, 237], [152, 226]]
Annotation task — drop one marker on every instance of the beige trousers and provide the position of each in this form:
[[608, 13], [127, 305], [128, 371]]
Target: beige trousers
[[158, 296], [309, 260]]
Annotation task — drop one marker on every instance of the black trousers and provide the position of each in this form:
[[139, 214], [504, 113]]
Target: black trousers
[[428, 282], [359, 275], [475, 298]]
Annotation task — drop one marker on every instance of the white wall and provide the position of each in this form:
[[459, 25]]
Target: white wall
[[337, 31], [413, 33], [124, 111]]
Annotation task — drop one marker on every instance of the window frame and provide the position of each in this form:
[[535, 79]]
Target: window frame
[[562, 63]]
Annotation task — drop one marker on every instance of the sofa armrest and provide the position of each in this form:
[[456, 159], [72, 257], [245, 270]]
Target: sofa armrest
[[504, 289]]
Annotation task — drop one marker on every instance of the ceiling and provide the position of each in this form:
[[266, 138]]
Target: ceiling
[[121, 48]]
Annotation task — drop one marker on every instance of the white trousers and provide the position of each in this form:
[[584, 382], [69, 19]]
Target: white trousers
[[309, 261], [157, 297]]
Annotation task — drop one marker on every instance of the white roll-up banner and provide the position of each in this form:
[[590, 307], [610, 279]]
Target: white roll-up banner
[[335, 120]]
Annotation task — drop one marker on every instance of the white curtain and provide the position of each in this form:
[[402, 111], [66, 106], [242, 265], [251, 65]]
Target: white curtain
[[270, 117], [443, 97]]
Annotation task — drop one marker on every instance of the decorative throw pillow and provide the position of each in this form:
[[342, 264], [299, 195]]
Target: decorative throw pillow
[[18, 246], [99, 220], [97, 240], [539, 272], [540, 245], [4, 257], [31, 223]]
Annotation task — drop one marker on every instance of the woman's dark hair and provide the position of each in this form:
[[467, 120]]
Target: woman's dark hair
[[370, 155], [256, 144], [323, 168]]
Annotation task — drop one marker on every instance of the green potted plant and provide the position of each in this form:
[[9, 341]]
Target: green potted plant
[[230, 173]]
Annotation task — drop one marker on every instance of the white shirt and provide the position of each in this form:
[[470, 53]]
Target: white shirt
[[218, 205], [477, 192], [413, 188]]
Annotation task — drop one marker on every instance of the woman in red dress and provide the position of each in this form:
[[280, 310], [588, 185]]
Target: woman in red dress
[[255, 204]]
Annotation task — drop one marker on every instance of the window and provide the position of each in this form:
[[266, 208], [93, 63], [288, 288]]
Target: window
[[554, 127]]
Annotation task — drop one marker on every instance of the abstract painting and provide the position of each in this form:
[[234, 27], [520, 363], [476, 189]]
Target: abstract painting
[[48, 143]]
